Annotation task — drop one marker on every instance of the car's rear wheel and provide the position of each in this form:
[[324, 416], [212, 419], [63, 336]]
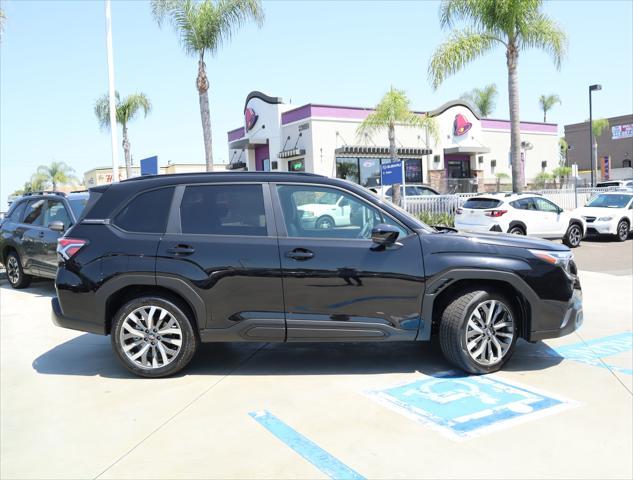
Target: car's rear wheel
[[153, 337], [516, 230], [478, 331], [15, 274], [623, 230], [573, 236], [324, 222]]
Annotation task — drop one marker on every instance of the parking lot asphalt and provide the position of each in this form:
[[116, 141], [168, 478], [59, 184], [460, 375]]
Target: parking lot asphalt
[[561, 408]]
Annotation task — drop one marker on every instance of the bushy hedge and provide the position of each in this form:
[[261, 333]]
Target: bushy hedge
[[443, 219]]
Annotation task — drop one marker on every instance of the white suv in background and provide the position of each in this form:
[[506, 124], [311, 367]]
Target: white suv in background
[[609, 213], [521, 214]]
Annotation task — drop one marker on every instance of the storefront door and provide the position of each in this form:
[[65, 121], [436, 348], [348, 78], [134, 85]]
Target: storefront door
[[458, 172], [261, 154]]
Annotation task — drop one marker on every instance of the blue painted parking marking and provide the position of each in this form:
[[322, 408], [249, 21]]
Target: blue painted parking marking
[[592, 352], [305, 447], [462, 406]]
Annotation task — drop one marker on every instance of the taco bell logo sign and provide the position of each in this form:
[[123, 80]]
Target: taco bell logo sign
[[250, 118], [461, 125]]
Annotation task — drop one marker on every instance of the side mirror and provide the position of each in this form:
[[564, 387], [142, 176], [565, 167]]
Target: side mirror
[[56, 226], [385, 235]]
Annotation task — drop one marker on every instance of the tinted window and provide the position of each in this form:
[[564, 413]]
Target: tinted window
[[482, 203], [35, 212], [525, 204], [146, 213], [18, 211], [56, 212], [313, 211], [77, 205], [223, 210], [545, 205]]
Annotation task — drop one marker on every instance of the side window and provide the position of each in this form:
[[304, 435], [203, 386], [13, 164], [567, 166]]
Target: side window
[[56, 212], [224, 210], [426, 191], [17, 213], [34, 214], [545, 205], [314, 211], [147, 212]]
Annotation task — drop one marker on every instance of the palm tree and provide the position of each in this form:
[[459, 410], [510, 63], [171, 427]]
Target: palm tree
[[3, 19], [393, 109], [516, 25], [547, 102], [203, 26], [483, 99], [126, 110], [57, 173]]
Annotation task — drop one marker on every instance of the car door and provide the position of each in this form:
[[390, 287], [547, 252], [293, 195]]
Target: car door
[[552, 221], [55, 212], [526, 212], [337, 285], [221, 242], [32, 233]]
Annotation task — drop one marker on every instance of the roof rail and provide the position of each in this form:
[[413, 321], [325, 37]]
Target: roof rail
[[224, 172], [79, 191], [44, 192]]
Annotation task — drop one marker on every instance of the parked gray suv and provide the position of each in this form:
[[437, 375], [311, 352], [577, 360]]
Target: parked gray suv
[[29, 233]]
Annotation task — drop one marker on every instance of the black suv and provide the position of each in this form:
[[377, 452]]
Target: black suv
[[162, 263], [29, 233]]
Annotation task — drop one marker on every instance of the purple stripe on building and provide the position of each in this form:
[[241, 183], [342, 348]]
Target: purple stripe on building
[[237, 133], [296, 114], [525, 126]]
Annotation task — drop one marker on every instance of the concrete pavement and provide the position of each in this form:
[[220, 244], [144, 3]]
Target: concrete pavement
[[69, 410]]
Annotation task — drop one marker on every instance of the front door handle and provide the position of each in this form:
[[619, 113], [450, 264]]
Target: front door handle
[[181, 250], [300, 254], [41, 233]]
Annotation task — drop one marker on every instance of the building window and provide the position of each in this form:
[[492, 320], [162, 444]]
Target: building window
[[413, 170], [369, 172], [366, 171], [626, 163], [436, 158], [297, 165], [493, 164], [347, 169]]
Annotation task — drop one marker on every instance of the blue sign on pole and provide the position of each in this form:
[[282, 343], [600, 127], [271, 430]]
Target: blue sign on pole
[[391, 173], [149, 166]]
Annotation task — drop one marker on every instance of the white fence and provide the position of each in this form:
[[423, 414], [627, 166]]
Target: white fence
[[566, 198]]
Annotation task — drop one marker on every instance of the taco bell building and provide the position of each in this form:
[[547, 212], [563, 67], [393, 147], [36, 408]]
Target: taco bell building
[[323, 139]]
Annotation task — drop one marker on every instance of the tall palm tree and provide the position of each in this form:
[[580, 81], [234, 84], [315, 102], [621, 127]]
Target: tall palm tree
[[203, 27], [126, 110], [484, 99], [393, 109], [516, 25], [547, 102], [57, 173]]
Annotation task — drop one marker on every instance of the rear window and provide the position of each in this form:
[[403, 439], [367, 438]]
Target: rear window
[[482, 203], [147, 212], [223, 210]]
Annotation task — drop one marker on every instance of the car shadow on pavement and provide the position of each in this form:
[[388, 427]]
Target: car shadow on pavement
[[40, 287], [92, 355]]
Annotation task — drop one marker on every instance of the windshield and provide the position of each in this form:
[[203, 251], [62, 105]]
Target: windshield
[[77, 205], [610, 201]]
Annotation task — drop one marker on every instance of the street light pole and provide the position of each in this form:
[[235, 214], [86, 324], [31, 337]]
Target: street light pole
[[593, 160], [111, 93]]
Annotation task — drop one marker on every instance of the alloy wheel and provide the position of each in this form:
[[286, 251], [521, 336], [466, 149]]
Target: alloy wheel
[[325, 223], [623, 230], [574, 236], [489, 332], [13, 270], [150, 337]]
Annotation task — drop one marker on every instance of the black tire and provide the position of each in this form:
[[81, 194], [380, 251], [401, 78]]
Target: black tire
[[623, 230], [324, 222], [573, 236], [15, 274], [516, 230], [189, 339], [453, 331]]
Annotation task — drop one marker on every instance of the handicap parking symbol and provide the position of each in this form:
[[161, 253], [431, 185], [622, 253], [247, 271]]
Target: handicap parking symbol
[[462, 406]]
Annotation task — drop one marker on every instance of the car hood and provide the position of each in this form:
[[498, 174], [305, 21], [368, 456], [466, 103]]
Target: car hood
[[596, 211], [506, 240]]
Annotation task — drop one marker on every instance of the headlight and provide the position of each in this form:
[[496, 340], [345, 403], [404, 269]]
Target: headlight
[[555, 258], [605, 219]]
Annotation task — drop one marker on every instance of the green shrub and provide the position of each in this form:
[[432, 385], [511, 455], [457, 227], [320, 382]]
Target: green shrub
[[443, 219]]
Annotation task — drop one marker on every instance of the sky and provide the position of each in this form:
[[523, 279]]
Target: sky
[[53, 68]]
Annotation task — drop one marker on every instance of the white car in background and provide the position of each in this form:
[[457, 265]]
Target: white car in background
[[609, 213], [520, 214], [328, 211]]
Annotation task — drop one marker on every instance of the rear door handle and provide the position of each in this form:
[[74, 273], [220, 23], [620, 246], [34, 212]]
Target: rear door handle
[[300, 254], [41, 234], [181, 250]]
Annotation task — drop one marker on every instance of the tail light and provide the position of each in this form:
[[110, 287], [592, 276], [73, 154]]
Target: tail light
[[458, 211], [68, 247], [495, 213]]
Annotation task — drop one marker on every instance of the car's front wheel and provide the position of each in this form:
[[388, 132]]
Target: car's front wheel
[[15, 274], [325, 222], [573, 236], [623, 230], [153, 337], [516, 230], [478, 331]]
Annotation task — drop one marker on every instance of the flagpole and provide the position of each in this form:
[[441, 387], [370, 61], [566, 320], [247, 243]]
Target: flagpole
[[111, 93]]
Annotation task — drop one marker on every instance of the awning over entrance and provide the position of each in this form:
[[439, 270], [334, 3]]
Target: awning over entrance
[[294, 152], [368, 151], [246, 142], [466, 149]]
